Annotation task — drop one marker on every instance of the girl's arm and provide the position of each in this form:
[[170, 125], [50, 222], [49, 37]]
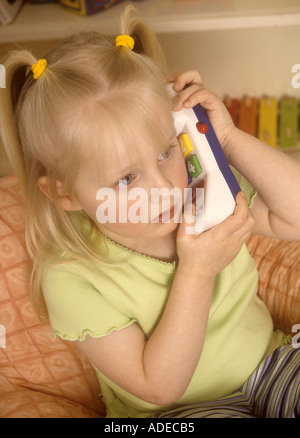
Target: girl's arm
[[159, 369], [274, 175]]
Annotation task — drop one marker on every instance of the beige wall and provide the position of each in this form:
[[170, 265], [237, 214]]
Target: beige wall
[[236, 62], [242, 61]]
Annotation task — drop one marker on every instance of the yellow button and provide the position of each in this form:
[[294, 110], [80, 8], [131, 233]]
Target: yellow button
[[185, 144]]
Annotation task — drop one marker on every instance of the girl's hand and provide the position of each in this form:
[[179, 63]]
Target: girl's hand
[[211, 251], [196, 93]]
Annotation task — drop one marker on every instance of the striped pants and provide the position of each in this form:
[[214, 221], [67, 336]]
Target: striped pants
[[272, 391]]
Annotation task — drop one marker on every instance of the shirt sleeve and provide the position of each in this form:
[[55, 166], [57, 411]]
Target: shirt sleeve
[[246, 187], [76, 308]]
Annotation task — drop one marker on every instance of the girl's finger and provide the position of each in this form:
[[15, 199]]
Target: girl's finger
[[188, 97], [182, 79], [195, 94]]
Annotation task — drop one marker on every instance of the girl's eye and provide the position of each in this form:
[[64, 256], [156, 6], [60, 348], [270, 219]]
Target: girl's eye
[[125, 181], [164, 155]]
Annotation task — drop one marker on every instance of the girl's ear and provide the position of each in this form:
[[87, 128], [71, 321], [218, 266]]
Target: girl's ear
[[62, 196]]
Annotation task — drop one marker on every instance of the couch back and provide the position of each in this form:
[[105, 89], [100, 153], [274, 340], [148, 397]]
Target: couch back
[[39, 376]]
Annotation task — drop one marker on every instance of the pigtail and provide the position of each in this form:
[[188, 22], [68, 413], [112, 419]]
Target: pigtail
[[145, 40], [17, 66]]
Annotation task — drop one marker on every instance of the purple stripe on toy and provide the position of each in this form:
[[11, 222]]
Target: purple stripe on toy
[[217, 151]]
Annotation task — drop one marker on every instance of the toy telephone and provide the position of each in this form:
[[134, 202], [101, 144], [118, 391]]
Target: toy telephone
[[207, 167]]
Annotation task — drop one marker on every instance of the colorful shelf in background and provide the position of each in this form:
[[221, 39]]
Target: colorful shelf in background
[[275, 121], [248, 115], [288, 122], [267, 120]]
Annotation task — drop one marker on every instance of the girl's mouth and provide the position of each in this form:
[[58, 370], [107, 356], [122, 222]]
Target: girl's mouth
[[166, 215]]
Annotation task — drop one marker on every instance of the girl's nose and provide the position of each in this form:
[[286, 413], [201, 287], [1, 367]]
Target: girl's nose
[[162, 180]]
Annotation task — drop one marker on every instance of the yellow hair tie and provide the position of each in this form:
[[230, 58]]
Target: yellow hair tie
[[125, 40], [38, 68]]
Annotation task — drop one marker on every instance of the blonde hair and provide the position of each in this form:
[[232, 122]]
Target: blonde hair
[[44, 125]]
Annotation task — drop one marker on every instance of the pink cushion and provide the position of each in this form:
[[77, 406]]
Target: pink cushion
[[39, 376], [279, 278]]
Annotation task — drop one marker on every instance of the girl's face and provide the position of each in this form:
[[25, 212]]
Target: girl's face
[[136, 192]]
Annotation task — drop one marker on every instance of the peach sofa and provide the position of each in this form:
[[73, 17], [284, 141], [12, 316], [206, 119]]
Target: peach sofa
[[43, 377]]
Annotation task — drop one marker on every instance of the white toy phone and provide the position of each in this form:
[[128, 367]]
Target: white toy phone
[[207, 167]]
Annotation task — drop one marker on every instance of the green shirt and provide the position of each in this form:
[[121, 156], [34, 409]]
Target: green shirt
[[82, 299]]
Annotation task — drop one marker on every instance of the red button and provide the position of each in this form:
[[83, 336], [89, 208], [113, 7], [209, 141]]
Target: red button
[[202, 127]]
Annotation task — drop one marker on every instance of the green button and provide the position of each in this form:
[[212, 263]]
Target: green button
[[193, 166]]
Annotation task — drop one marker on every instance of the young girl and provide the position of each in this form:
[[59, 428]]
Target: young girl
[[167, 318]]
